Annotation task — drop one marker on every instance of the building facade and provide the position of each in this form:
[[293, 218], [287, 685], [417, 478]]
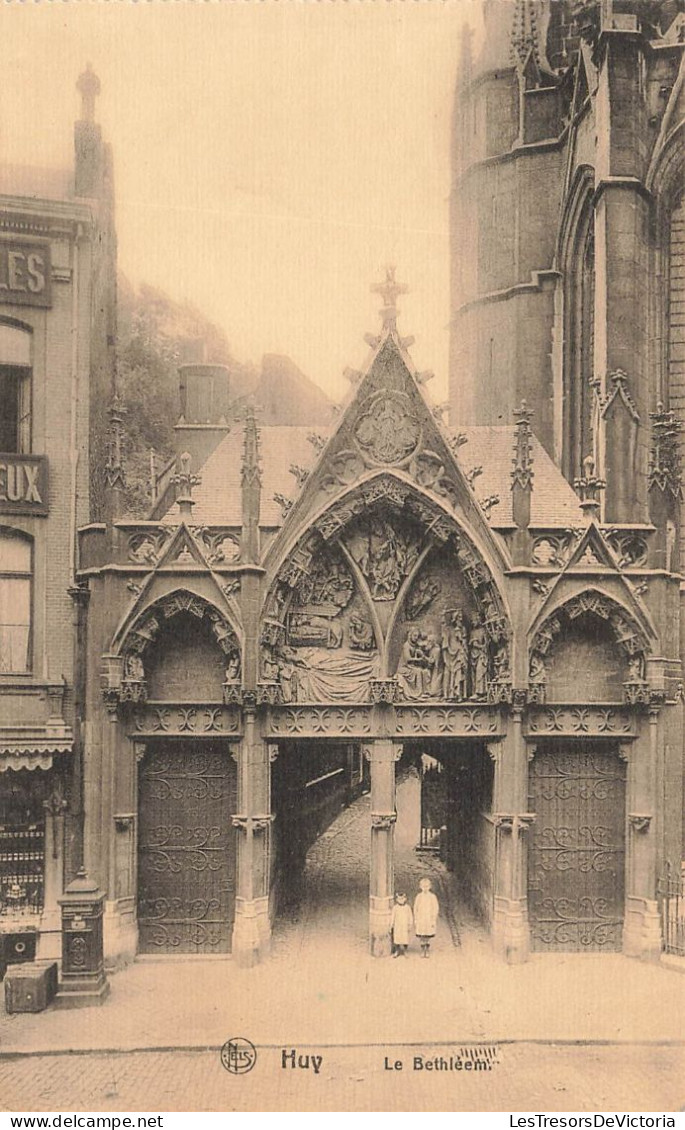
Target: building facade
[[421, 592], [304, 611], [57, 330]]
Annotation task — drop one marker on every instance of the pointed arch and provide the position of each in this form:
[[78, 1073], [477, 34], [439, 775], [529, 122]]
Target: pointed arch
[[386, 517], [629, 635], [140, 628], [576, 258]]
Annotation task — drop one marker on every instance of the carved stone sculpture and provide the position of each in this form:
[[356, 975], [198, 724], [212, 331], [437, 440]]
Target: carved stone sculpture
[[134, 668], [536, 670], [385, 554], [360, 634], [479, 662], [387, 431], [454, 656], [422, 595]]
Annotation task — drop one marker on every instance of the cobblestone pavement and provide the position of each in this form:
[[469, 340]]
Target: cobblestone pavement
[[526, 1077], [322, 993]]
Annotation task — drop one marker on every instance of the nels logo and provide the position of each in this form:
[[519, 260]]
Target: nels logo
[[238, 1055]]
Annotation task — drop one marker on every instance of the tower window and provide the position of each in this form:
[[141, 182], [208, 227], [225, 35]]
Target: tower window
[[579, 350], [15, 390]]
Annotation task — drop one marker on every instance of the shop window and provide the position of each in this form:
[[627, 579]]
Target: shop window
[[15, 603], [22, 845], [15, 390]]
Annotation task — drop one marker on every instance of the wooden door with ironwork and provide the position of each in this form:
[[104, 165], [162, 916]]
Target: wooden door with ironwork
[[577, 848], [186, 849]]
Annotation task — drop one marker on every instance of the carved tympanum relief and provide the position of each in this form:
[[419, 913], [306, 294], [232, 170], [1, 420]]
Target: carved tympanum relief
[[385, 550], [447, 650], [319, 644]]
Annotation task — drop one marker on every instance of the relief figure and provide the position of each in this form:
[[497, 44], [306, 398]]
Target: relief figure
[[479, 662], [385, 556], [420, 669], [454, 656], [360, 634], [410, 673]]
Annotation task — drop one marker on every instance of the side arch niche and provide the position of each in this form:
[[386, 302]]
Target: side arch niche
[[181, 647], [383, 586], [590, 649]]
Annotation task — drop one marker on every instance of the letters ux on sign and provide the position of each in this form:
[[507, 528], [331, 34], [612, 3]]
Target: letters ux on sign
[[23, 484]]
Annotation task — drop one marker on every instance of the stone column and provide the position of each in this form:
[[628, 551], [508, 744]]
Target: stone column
[[50, 938], [511, 935], [252, 928], [622, 224], [642, 928], [382, 755]]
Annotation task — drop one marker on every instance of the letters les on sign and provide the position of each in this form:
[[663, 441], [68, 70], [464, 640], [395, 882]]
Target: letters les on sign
[[24, 273], [23, 484]]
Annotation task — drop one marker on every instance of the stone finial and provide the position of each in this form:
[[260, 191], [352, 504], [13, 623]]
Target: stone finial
[[251, 483], [522, 470], [389, 291], [184, 481], [251, 465], [664, 461], [88, 86], [524, 32], [522, 467], [588, 488]]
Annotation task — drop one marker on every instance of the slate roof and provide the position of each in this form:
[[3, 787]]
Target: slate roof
[[217, 498], [553, 501]]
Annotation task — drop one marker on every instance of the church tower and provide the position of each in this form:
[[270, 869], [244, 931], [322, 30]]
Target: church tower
[[566, 234]]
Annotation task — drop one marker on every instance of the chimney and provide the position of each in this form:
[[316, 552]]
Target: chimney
[[88, 168], [204, 400]]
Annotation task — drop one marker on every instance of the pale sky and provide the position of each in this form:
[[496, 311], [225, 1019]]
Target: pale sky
[[270, 157]]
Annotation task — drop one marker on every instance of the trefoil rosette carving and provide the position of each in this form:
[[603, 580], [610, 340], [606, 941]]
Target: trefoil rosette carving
[[387, 431]]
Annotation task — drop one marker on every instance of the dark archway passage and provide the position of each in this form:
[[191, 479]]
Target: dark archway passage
[[322, 840], [312, 784], [454, 789]]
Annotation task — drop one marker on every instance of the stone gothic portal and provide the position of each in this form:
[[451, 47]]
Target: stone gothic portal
[[186, 850], [577, 849]]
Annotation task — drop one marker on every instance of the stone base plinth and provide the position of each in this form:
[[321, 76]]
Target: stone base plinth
[[380, 916], [642, 929], [81, 992], [510, 930], [251, 932], [120, 934]]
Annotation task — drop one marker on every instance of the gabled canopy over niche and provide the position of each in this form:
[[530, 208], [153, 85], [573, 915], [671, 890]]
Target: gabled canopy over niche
[[587, 650], [182, 648]]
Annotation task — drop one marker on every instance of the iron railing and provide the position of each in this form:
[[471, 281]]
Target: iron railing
[[671, 894], [430, 839]]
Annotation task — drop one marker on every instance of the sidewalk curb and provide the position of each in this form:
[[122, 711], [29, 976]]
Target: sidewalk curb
[[468, 1041]]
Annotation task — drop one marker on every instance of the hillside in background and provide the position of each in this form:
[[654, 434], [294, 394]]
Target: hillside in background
[[155, 336]]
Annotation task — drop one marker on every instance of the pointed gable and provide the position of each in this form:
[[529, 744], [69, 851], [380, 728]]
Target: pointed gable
[[387, 426]]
